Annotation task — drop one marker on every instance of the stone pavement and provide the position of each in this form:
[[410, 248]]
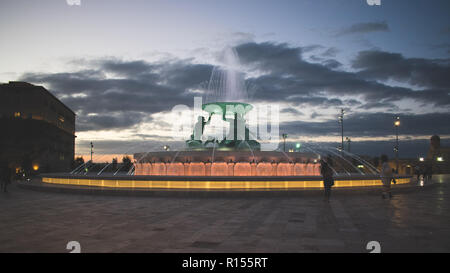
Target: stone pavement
[[417, 221]]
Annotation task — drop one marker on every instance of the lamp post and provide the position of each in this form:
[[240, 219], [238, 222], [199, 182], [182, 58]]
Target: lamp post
[[396, 125], [284, 139], [92, 147], [341, 121], [348, 143]]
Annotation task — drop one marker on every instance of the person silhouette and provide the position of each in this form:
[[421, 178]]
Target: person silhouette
[[5, 176], [328, 181], [386, 176]]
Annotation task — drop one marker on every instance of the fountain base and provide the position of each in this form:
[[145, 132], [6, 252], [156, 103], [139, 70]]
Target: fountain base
[[221, 183]]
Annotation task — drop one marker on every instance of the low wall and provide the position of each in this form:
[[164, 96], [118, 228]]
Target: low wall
[[214, 182]]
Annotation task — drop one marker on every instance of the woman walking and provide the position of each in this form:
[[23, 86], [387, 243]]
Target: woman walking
[[386, 177], [328, 181]]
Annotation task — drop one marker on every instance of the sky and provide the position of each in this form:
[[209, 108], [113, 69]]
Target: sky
[[123, 65]]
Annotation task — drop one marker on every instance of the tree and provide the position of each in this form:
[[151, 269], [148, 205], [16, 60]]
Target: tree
[[114, 163], [78, 162], [126, 161]]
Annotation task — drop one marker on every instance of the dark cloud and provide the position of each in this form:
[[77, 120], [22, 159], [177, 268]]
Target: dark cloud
[[381, 105], [311, 48], [332, 64], [317, 101], [330, 52], [407, 148], [416, 71], [364, 28], [121, 94], [287, 75], [315, 115], [373, 125], [140, 90], [291, 110], [131, 69], [117, 120]]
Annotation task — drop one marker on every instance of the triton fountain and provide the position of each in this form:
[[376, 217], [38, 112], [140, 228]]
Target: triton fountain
[[232, 162]]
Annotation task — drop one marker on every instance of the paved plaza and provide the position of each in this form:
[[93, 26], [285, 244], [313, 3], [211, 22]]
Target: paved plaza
[[417, 221]]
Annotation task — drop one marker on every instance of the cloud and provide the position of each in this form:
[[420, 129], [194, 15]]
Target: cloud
[[330, 52], [332, 64], [361, 28], [111, 120], [114, 94], [287, 75], [291, 110], [137, 89], [415, 71], [373, 125]]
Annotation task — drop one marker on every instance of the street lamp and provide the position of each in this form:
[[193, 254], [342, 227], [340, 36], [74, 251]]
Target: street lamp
[[284, 138], [166, 148], [92, 147], [396, 125], [341, 121], [297, 146]]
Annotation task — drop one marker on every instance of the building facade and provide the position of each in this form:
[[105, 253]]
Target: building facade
[[437, 159], [438, 155], [37, 129]]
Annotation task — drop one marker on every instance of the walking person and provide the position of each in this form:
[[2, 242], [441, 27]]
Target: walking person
[[328, 181], [2, 178], [5, 176], [428, 172], [386, 177], [417, 172]]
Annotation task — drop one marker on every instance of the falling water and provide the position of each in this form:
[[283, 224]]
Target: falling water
[[227, 82], [318, 154]]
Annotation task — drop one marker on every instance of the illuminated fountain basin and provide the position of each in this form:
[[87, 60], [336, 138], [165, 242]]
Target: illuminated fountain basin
[[202, 183], [194, 170], [232, 163], [224, 171]]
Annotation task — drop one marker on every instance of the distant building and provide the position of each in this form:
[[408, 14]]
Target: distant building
[[37, 129], [438, 158], [439, 155]]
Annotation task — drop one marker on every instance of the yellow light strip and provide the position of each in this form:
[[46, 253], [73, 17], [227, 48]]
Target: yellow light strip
[[213, 185]]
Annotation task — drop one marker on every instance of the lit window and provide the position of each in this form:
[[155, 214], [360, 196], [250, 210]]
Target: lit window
[[61, 118], [17, 114]]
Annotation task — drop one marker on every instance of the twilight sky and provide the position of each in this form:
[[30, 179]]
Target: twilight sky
[[122, 65]]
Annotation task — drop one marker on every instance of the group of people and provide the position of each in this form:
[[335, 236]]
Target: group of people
[[425, 172], [386, 175], [5, 177]]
